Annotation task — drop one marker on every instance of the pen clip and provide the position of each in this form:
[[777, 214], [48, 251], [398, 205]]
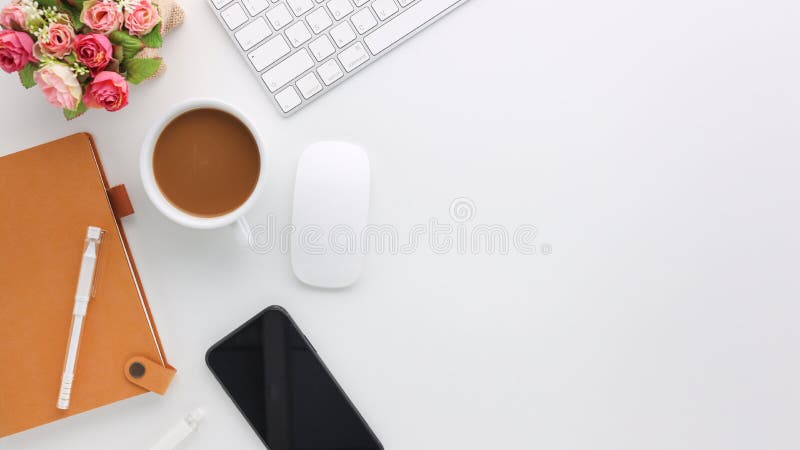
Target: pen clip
[[94, 236]]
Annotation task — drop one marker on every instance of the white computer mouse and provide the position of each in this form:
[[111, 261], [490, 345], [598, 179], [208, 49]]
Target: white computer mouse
[[331, 204]]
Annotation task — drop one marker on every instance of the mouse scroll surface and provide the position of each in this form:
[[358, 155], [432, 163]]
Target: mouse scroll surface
[[331, 205]]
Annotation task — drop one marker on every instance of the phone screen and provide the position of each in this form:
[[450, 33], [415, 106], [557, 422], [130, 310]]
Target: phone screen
[[275, 378]]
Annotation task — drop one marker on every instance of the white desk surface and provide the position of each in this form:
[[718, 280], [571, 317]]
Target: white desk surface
[[655, 147]]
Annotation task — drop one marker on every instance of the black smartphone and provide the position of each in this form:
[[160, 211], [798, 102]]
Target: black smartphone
[[279, 383]]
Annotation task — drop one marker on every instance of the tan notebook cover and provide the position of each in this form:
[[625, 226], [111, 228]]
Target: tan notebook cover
[[49, 195]]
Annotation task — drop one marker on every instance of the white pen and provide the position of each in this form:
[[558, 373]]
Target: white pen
[[180, 431], [83, 293]]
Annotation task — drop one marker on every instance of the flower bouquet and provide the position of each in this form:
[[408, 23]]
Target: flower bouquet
[[83, 53]]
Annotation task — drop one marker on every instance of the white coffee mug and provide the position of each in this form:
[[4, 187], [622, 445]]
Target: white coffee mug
[[157, 197]]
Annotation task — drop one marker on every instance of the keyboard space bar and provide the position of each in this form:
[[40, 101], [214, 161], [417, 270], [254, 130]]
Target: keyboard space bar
[[404, 24]]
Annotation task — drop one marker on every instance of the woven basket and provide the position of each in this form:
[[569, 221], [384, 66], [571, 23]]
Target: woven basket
[[172, 15]]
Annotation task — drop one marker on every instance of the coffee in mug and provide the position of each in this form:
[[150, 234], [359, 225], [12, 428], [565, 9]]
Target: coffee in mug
[[202, 165], [206, 162]]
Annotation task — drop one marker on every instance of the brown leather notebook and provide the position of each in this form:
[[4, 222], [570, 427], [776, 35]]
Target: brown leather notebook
[[49, 195]]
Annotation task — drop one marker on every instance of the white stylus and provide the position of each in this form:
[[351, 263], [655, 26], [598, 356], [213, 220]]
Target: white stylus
[[83, 293], [180, 431]]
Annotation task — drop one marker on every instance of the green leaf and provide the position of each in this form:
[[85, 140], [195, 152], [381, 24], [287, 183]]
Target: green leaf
[[130, 44], [46, 3], [153, 38], [26, 75], [75, 15], [138, 70], [73, 113], [117, 53]]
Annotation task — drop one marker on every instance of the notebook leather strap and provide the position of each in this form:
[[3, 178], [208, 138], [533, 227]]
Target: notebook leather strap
[[120, 202], [149, 374]]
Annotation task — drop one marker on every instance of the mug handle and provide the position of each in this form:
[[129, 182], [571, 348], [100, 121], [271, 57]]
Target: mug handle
[[245, 230]]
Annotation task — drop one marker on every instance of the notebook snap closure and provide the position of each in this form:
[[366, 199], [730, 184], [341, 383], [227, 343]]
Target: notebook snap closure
[[148, 374], [136, 370]]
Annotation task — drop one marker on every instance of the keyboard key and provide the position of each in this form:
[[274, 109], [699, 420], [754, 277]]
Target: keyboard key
[[266, 55], [287, 70], [298, 34], [321, 48], [343, 34], [309, 85], [300, 7], [288, 99], [219, 4], [354, 56], [279, 16], [340, 8], [384, 8], [405, 23], [253, 33], [330, 72], [363, 20], [234, 16], [319, 20], [303, 48], [255, 6]]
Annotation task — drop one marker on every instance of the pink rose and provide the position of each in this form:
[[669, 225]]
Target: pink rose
[[101, 16], [16, 50], [94, 51], [141, 18], [13, 16], [59, 85], [55, 41], [108, 90]]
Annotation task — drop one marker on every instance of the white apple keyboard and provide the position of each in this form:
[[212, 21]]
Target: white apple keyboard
[[301, 49], [331, 205]]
